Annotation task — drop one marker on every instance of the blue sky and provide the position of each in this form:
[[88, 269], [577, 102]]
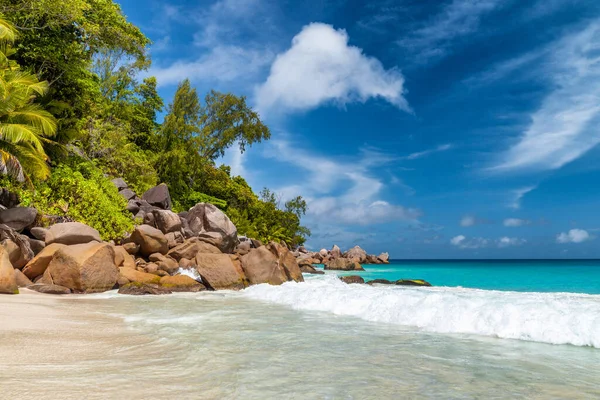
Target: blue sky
[[429, 129]]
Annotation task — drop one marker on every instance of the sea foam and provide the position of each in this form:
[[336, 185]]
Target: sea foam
[[556, 318]]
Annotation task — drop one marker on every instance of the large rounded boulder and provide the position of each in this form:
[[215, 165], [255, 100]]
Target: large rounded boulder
[[273, 264], [8, 281], [343, 264], [357, 254], [221, 271], [212, 225], [150, 240], [18, 218], [83, 268], [167, 221], [71, 233], [37, 266], [191, 247], [158, 196]]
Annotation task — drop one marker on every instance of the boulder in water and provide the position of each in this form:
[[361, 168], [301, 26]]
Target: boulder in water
[[352, 279]]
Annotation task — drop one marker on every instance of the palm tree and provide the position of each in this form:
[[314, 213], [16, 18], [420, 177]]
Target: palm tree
[[24, 126]]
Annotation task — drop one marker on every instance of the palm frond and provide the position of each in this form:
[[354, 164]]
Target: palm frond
[[21, 133]]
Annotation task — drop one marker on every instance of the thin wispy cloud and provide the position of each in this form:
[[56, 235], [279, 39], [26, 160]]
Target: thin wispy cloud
[[421, 154], [322, 68], [434, 38], [358, 203], [463, 242], [566, 125], [516, 222], [516, 196]]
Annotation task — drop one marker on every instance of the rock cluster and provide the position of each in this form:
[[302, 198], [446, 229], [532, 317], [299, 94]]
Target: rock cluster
[[334, 259], [192, 251]]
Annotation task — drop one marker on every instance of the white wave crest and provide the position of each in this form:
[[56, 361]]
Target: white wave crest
[[557, 318], [192, 273]]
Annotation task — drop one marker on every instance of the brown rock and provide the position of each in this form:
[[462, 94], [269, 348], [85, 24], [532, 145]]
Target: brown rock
[[122, 281], [243, 248], [141, 289], [174, 239], [357, 254], [352, 279], [21, 279], [309, 269], [38, 232], [287, 261], [16, 256], [191, 247], [165, 263], [187, 264], [262, 266], [210, 223], [131, 248], [161, 273], [71, 233], [37, 266], [380, 282], [49, 289], [18, 218], [412, 282], [151, 268], [136, 276], [384, 258], [181, 283], [150, 240], [83, 268], [167, 221], [335, 252], [8, 282], [220, 271], [343, 264], [36, 246]]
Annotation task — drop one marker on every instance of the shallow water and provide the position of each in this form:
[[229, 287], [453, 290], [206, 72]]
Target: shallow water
[[234, 346]]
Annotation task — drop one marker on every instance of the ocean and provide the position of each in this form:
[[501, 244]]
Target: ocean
[[487, 330]]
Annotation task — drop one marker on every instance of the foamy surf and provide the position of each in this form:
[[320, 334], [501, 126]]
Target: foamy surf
[[555, 318]]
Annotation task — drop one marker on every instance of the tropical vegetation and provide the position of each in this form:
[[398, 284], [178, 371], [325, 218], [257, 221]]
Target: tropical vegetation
[[74, 115]]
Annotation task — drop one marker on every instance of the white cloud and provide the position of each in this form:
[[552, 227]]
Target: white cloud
[[518, 194], [320, 67], [573, 236], [434, 39], [516, 222], [462, 242], [468, 220], [220, 55], [421, 154], [221, 64], [337, 191], [566, 125], [508, 241]]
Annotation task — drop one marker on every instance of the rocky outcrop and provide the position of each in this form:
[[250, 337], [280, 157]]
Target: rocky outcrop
[[9, 199], [352, 279], [357, 254], [70, 233], [343, 264], [17, 258], [83, 268], [212, 225], [158, 196], [383, 258], [335, 252], [150, 240], [273, 264], [164, 263], [37, 266], [119, 183], [221, 271], [8, 282], [18, 218]]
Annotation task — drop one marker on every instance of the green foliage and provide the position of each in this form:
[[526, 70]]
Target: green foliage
[[79, 190], [24, 125]]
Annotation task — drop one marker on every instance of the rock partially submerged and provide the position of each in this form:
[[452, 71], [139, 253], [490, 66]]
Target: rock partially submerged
[[412, 282], [352, 279], [343, 264], [141, 289]]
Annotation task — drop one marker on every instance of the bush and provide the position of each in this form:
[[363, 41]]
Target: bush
[[79, 190]]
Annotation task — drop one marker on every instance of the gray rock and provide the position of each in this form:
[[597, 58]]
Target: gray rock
[[127, 194], [36, 245], [208, 222], [49, 289], [8, 199], [150, 240], [71, 233], [18, 218], [158, 196], [38, 232], [167, 221], [133, 206], [119, 183]]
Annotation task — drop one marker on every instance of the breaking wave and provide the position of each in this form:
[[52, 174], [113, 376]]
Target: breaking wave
[[556, 318]]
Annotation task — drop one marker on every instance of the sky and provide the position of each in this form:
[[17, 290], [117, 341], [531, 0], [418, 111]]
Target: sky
[[428, 129]]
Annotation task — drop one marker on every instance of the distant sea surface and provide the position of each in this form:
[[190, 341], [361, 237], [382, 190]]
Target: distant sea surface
[[575, 276]]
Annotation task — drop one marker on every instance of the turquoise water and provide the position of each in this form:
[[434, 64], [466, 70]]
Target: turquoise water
[[575, 276]]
